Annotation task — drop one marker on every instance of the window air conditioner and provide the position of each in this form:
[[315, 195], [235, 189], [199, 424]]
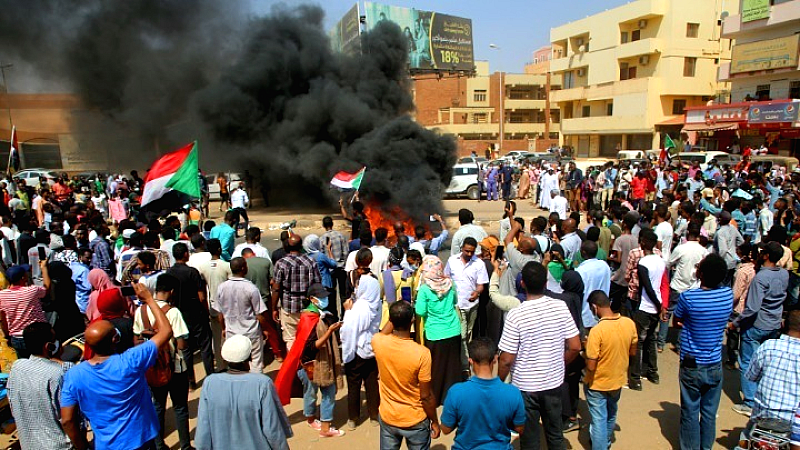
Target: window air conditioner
[[644, 60], [643, 23], [581, 72]]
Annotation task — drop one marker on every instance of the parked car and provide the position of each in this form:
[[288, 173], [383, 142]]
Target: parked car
[[703, 158], [464, 182], [472, 159], [31, 176], [764, 163], [213, 187]]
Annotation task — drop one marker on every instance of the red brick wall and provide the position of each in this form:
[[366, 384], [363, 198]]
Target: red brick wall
[[432, 93]]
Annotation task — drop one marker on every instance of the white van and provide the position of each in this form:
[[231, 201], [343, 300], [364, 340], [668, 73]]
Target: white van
[[465, 181]]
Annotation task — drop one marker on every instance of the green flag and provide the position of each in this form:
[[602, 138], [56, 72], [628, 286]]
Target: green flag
[[670, 146]]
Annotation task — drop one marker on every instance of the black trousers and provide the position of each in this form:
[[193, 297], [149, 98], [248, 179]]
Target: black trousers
[[178, 390], [360, 371], [339, 279], [646, 362], [544, 405], [200, 339], [240, 213], [570, 390], [618, 295]]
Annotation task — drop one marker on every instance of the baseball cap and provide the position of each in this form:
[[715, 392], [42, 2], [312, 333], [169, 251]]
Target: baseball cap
[[707, 192], [236, 349], [127, 233], [318, 290], [15, 273]]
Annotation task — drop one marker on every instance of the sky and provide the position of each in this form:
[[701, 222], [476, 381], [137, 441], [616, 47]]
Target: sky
[[518, 27]]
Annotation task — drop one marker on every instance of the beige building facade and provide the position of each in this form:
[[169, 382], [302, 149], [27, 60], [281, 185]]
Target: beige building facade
[[628, 73], [509, 111]]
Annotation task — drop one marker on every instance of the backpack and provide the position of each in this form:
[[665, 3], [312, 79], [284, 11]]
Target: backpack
[[161, 372]]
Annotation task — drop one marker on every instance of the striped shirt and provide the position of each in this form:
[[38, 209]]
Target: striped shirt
[[22, 306], [535, 332], [704, 313]]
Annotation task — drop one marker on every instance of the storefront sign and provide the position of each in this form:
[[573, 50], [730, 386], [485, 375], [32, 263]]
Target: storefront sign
[[754, 10], [774, 112], [714, 115], [762, 55]]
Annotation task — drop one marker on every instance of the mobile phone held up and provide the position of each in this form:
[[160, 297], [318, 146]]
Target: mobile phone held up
[[499, 252], [128, 291], [42, 254]]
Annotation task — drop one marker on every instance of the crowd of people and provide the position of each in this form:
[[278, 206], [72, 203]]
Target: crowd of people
[[107, 315]]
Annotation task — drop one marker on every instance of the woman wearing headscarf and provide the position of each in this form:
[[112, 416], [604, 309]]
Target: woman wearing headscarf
[[115, 308], [360, 322], [436, 303], [100, 282], [69, 320], [326, 264], [572, 295], [556, 265]]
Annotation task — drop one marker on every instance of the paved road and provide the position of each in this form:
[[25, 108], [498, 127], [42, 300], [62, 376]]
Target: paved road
[[649, 419]]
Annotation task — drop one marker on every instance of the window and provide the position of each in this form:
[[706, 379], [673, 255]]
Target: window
[[762, 92], [479, 95], [678, 105], [554, 135], [689, 66], [636, 35], [569, 79], [480, 118], [610, 109], [623, 37], [586, 111], [794, 89], [623, 71], [692, 30]]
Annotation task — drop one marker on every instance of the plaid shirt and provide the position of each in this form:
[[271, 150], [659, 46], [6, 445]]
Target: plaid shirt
[[632, 272], [130, 268], [295, 274], [776, 368], [101, 255], [338, 246]]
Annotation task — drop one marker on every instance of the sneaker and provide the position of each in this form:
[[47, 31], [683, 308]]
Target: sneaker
[[660, 349], [332, 432], [374, 422], [316, 424], [571, 425], [351, 425], [635, 385], [742, 409]]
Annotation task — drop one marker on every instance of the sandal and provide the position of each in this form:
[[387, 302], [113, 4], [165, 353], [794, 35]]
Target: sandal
[[332, 432]]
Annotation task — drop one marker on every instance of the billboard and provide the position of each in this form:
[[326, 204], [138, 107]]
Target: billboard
[[762, 55], [754, 10], [774, 112], [435, 41], [346, 35]]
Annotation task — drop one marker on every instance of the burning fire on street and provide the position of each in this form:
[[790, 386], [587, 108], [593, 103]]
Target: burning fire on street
[[381, 217]]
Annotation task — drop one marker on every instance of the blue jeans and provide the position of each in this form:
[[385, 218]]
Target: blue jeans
[[700, 391], [751, 339], [417, 437], [310, 398], [793, 296], [603, 410], [18, 344]]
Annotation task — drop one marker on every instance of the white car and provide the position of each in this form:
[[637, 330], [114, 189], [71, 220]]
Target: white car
[[703, 158], [465, 181], [213, 188], [31, 176]]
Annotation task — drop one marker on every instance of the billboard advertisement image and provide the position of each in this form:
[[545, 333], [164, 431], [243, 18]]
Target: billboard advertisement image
[[346, 35], [435, 41]]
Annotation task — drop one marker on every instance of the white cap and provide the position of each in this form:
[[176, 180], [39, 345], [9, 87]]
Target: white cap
[[236, 349], [127, 233]]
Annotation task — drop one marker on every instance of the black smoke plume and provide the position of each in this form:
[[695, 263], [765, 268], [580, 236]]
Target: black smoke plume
[[265, 94]]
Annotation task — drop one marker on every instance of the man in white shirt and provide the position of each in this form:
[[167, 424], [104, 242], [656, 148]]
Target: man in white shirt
[[684, 260], [199, 255], [215, 271], [558, 204], [468, 273], [570, 241], [380, 253], [253, 241], [539, 339], [765, 219], [651, 271], [239, 203], [663, 230], [467, 229]]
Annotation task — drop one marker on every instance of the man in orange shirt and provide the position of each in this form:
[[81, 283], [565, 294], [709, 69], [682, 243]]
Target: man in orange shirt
[[408, 407], [638, 189]]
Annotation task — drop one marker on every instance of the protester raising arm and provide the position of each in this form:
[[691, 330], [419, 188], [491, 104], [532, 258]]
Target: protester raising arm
[[164, 333]]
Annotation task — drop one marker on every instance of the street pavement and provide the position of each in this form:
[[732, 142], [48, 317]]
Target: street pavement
[[649, 419]]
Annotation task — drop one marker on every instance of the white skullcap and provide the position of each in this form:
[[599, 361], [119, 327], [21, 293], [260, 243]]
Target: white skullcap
[[236, 349]]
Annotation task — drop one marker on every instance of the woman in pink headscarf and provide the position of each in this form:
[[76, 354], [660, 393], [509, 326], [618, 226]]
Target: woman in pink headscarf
[[436, 303], [100, 282]]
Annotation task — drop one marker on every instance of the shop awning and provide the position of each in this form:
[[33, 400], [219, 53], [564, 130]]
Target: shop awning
[[710, 127], [671, 122]]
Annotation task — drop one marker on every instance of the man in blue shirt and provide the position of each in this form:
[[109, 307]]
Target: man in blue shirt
[[484, 409], [226, 234], [703, 313], [110, 389]]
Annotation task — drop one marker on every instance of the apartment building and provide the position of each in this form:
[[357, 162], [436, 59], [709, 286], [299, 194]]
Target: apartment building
[[509, 111], [628, 73], [764, 74]]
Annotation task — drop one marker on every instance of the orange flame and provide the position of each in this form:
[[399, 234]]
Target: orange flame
[[380, 218]]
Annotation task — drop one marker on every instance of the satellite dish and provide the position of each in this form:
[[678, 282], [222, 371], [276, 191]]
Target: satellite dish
[[582, 48]]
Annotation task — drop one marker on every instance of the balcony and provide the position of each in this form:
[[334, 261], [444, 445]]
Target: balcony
[[570, 62], [523, 128], [512, 104], [639, 48], [567, 95], [467, 128], [779, 14], [605, 125], [602, 91]]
